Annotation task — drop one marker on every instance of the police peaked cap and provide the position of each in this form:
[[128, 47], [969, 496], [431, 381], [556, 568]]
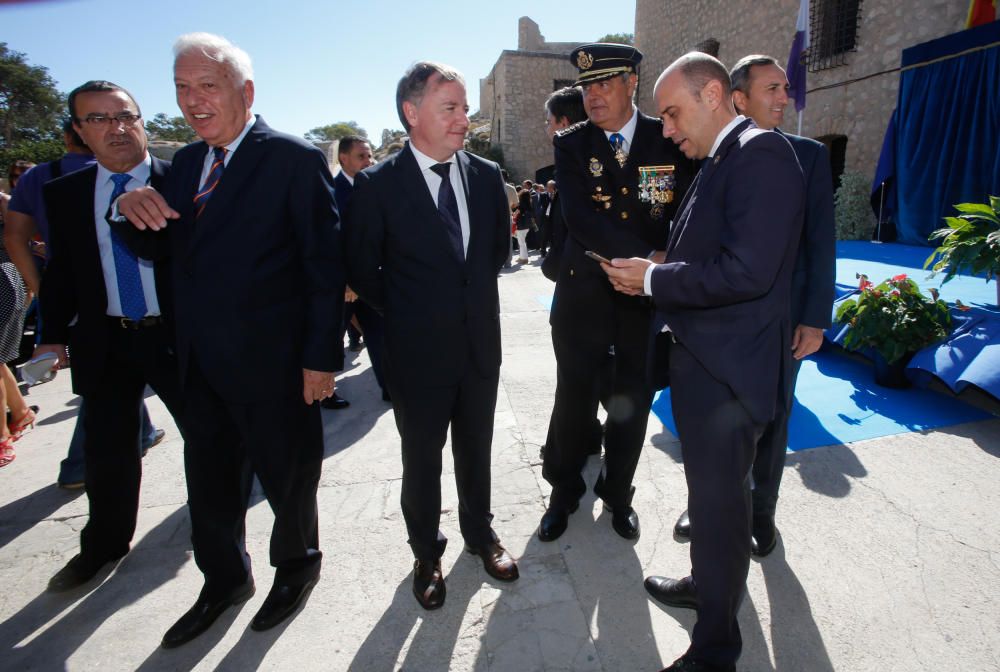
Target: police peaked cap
[[603, 60]]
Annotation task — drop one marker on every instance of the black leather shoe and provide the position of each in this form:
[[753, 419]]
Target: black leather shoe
[[280, 603], [682, 528], [428, 584], [205, 611], [625, 521], [78, 571], [335, 403], [765, 536], [685, 664], [681, 593], [555, 521]]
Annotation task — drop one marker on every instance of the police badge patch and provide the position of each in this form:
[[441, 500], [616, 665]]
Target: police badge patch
[[596, 168]]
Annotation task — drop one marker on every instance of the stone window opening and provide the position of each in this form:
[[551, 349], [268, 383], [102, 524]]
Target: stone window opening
[[833, 32]]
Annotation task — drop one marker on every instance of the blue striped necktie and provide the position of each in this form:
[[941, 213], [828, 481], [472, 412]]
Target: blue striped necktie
[[133, 301], [212, 181]]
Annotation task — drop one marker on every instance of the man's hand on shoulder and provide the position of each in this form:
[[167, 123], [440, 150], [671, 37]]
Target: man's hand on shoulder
[[145, 208], [806, 340]]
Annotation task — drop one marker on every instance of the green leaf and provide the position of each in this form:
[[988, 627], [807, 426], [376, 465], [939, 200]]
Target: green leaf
[[969, 208]]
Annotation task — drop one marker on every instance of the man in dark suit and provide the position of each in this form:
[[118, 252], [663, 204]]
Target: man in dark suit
[[723, 292], [254, 244], [121, 340], [355, 154], [563, 108], [760, 91], [428, 233], [609, 209]]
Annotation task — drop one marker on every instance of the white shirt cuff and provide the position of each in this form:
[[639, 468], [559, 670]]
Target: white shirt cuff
[[647, 281]]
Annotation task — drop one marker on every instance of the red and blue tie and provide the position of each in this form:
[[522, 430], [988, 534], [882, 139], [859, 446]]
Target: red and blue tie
[[212, 181]]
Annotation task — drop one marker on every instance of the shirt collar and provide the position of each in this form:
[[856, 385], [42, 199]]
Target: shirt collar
[[739, 119], [628, 130], [139, 172], [231, 147], [425, 162]]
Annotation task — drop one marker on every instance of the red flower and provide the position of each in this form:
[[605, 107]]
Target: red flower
[[899, 278]]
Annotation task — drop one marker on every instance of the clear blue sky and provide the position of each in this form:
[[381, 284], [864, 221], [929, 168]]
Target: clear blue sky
[[316, 62]]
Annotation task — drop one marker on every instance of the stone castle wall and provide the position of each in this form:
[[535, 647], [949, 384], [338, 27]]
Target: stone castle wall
[[859, 100], [513, 97]]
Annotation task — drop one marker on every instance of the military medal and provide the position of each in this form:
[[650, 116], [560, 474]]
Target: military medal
[[596, 169], [656, 186], [621, 156]]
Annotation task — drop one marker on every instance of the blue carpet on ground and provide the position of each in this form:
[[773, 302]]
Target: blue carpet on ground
[[881, 261], [837, 401], [836, 398]]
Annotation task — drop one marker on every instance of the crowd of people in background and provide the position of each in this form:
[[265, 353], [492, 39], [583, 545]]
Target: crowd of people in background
[[693, 250]]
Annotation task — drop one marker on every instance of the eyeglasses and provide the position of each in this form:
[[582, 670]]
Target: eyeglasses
[[125, 118]]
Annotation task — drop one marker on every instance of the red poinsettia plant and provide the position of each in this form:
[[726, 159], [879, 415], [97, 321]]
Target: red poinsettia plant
[[894, 317]]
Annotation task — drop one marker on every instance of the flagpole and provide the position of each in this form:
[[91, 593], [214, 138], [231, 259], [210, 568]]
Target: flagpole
[[799, 132]]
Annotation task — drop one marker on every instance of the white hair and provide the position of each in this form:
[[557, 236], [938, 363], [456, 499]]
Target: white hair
[[218, 49]]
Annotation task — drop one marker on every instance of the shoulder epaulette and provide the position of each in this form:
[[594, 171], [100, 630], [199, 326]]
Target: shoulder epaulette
[[562, 132]]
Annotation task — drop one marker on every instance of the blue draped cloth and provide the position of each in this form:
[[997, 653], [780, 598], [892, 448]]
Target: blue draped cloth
[[947, 129]]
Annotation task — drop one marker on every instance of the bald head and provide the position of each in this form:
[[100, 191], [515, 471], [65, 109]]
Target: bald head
[[693, 99]]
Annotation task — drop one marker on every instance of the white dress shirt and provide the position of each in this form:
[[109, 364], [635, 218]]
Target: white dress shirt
[[627, 131], [231, 147], [103, 189], [433, 181]]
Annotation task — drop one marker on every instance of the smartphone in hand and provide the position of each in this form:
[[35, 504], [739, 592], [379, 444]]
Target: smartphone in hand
[[596, 257]]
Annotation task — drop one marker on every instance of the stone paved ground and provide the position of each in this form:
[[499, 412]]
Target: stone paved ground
[[888, 558]]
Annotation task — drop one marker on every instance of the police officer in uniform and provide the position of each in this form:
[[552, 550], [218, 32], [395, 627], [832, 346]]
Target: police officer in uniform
[[619, 183]]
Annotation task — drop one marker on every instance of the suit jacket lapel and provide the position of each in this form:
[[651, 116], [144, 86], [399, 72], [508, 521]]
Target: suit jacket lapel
[[701, 182], [239, 169], [413, 183], [470, 179], [90, 251]]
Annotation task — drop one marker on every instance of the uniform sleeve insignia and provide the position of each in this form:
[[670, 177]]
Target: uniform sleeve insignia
[[562, 132]]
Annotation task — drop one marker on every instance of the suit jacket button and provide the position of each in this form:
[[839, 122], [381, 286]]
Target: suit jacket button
[[624, 191], [624, 215], [571, 271]]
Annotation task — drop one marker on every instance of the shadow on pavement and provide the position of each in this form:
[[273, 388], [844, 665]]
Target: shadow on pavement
[[22, 514], [432, 635], [154, 561]]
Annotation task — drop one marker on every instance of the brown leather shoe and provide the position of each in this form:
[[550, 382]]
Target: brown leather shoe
[[428, 584], [497, 562]]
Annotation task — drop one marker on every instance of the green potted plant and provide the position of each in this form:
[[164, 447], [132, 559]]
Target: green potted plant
[[894, 319], [970, 243]]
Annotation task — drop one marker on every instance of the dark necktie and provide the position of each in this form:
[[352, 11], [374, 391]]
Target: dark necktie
[[618, 144], [133, 301], [448, 208], [211, 182]]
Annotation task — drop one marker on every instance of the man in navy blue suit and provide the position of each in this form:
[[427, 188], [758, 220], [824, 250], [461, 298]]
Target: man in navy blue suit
[[760, 91], [254, 246], [428, 232], [723, 293], [355, 154], [119, 306]]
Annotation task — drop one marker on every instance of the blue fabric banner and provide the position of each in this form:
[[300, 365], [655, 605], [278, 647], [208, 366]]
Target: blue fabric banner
[[947, 128]]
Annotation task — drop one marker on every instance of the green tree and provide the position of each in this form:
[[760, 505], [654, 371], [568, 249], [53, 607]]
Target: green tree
[[30, 111], [174, 129], [335, 131], [619, 38]]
